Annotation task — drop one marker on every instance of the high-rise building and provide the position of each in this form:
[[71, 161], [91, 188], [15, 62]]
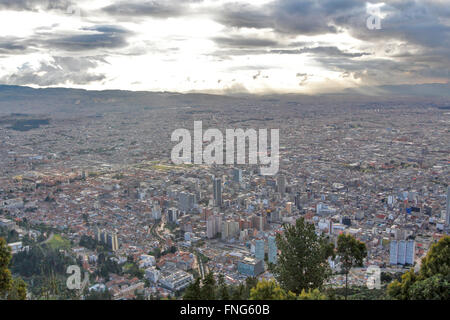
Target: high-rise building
[[237, 175], [172, 215], [281, 184], [186, 201], [259, 249], [297, 201], [250, 267], [98, 234], [230, 229], [108, 238], [210, 227], [217, 189], [112, 241], [410, 252], [259, 222], [156, 212], [402, 252], [273, 251], [225, 230], [393, 252]]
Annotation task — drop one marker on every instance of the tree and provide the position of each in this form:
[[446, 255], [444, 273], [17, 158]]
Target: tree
[[5, 273], [311, 295], [302, 263], [192, 291], [432, 282], [18, 290], [208, 289], [223, 293], [12, 289], [238, 292], [202, 289], [270, 290], [351, 253], [437, 261]]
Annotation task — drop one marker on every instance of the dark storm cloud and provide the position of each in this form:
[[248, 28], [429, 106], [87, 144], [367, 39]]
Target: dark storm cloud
[[157, 9], [62, 70], [419, 22], [88, 38], [34, 5], [387, 71], [244, 15], [322, 51], [307, 17], [12, 45], [98, 37], [416, 22], [423, 25]]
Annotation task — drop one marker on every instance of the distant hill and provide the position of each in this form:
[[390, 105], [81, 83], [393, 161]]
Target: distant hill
[[422, 90], [75, 102]]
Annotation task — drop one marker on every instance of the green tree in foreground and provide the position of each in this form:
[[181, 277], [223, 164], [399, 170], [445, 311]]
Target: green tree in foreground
[[351, 253], [270, 290], [312, 294], [18, 290], [207, 289], [302, 263], [201, 289], [12, 289], [5, 274], [223, 288], [193, 291], [432, 282]]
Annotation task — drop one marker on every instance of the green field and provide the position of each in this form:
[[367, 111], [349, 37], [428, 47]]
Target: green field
[[58, 242]]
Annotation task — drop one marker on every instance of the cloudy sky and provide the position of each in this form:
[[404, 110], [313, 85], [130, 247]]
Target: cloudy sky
[[220, 46]]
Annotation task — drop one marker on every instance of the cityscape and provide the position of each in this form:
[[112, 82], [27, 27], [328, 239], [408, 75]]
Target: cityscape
[[93, 205]]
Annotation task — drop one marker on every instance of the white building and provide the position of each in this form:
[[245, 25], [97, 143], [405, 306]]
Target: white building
[[152, 274]]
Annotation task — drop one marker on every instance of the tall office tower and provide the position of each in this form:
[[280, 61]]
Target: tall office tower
[[273, 251], [104, 237], [98, 234], [297, 201], [393, 252], [259, 249], [281, 184], [258, 222], [186, 201], [172, 215], [447, 216], [112, 241], [237, 175], [156, 212], [225, 230], [410, 252], [401, 258], [211, 230], [402, 252], [217, 188], [234, 229]]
